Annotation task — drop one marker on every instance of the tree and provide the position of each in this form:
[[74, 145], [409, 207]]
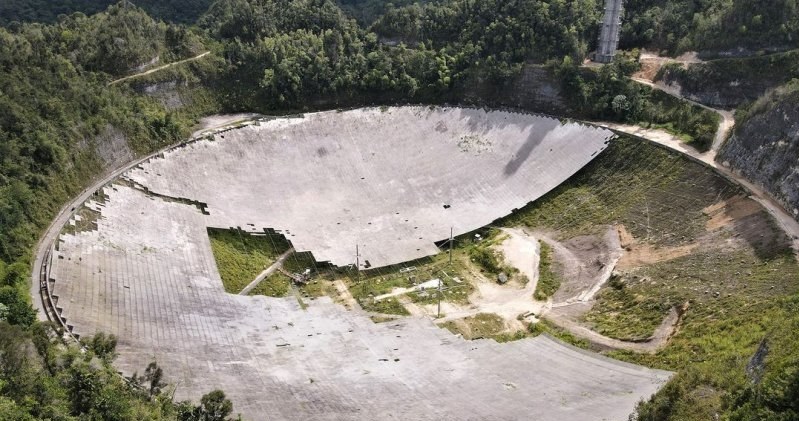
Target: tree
[[213, 407], [18, 311]]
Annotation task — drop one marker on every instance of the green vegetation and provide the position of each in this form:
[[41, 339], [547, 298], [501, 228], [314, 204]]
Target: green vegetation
[[624, 314], [43, 378], [685, 25], [481, 325], [619, 186], [608, 94], [59, 121], [278, 284], [788, 93], [751, 77], [275, 285], [184, 11], [730, 299], [240, 257], [486, 258], [548, 280], [457, 278], [367, 11], [386, 306], [483, 253], [734, 303]]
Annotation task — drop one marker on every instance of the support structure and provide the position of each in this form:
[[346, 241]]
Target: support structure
[[609, 35]]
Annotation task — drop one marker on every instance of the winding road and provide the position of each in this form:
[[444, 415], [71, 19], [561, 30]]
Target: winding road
[[159, 68]]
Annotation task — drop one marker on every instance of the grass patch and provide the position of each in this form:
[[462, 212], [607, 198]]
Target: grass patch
[[624, 314], [695, 125], [240, 257], [481, 325], [548, 280], [736, 300], [318, 287], [384, 280], [736, 297], [278, 284], [275, 285], [387, 306], [482, 253]]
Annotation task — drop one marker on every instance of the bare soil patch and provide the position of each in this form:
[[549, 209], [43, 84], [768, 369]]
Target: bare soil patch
[[726, 212], [582, 261], [637, 254]]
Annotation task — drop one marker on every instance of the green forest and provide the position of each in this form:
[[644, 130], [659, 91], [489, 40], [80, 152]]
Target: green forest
[[59, 115]]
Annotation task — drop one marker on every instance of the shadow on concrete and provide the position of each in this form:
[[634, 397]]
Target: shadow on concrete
[[537, 134]]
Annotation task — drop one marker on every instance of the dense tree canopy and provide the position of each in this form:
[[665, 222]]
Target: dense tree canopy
[[684, 25]]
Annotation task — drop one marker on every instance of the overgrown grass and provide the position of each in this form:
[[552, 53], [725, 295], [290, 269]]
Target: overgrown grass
[[387, 306], [381, 281], [240, 257], [482, 253], [655, 193], [624, 314], [481, 325], [719, 333], [275, 285], [693, 124], [752, 77], [548, 280]]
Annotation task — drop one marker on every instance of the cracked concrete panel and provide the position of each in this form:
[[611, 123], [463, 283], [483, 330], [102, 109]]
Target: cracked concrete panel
[[391, 180], [147, 275]]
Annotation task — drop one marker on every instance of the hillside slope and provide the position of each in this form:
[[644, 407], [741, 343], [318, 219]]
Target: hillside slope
[[765, 145]]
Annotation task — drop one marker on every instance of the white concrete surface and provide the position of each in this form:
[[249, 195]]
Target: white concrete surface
[[147, 275], [377, 178]]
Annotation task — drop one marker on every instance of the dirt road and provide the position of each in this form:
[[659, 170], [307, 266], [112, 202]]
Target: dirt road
[[661, 137], [727, 118], [156, 69]]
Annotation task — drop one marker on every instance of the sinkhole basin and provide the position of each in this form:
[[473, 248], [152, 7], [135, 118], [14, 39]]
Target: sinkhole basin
[[389, 181]]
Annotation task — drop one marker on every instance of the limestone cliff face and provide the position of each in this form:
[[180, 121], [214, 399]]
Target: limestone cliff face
[[765, 146]]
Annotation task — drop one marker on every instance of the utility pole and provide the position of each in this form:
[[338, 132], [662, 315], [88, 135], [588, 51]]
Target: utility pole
[[357, 264], [439, 299], [450, 246]]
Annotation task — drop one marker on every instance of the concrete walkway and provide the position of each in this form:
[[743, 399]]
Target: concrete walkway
[[268, 271]]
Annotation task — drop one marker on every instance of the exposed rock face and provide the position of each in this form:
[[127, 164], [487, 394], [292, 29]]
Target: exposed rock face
[[112, 147], [167, 92], [728, 83], [535, 89], [765, 147]]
